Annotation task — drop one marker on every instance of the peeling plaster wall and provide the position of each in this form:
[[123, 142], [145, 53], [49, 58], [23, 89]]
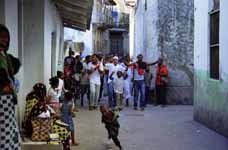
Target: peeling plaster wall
[[210, 96], [175, 44]]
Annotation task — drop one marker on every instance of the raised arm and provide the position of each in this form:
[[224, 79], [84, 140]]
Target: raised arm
[[154, 63]]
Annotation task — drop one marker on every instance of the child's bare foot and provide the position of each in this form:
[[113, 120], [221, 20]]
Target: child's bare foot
[[75, 144]]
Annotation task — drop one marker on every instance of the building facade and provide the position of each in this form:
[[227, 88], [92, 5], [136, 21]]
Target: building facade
[[164, 28], [110, 27], [211, 65]]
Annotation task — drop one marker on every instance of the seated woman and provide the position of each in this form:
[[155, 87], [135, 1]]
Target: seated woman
[[35, 102], [37, 108]]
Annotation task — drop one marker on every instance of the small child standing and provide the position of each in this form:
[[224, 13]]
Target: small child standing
[[118, 85], [67, 111], [110, 119]]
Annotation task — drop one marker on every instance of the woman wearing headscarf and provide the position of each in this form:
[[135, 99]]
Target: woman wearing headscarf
[[9, 66], [35, 105]]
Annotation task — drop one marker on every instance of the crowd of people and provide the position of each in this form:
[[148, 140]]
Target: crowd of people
[[118, 78]]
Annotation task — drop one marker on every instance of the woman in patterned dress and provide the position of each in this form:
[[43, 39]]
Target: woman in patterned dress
[[37, 95], [9, 66]]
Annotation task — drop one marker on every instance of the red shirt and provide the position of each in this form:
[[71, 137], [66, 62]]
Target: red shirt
[[162, 71]]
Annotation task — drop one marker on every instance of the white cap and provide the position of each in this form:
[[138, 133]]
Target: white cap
[[116, 57]]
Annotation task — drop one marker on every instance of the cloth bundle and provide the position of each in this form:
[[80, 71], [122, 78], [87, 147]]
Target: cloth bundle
[[60, 128], [41, 129]]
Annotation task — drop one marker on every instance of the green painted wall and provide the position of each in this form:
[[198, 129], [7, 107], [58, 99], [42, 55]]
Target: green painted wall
[[211, 102]]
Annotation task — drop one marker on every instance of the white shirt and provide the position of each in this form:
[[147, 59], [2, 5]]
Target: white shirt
[[60, 88], [129, 72], [113, 68], [137, 76], [95, 77], [53, 94], [118, 85], [85, 77]]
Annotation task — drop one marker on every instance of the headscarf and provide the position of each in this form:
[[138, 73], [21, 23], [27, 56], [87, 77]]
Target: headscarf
[[39, 92], [4, 29]]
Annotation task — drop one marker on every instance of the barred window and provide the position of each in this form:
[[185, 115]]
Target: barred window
[[214, 39]]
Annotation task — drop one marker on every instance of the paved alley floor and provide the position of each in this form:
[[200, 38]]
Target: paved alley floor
[[170, 128]]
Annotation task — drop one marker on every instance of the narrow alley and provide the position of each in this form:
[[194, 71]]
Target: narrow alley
[[113, 75]]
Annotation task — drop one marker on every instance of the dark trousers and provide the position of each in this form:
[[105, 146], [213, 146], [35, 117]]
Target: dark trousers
[[111, 96], [85, 89], [147, 95], [113, 134], [67, 83], [161, 94], [139, 88], [101, 89]]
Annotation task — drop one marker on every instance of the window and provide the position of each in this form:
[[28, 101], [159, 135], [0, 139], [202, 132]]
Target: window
[[214, 40]]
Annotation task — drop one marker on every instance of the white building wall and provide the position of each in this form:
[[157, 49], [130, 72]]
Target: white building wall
[[79, 36], [151, 33], [139, 30], [11, 21], [131, 32], [40, 20], [201, 45], [210, 96], [223, 40], [143, 30], [52, 35]]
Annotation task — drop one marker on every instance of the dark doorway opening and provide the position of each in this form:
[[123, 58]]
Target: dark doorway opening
[[117, 43]]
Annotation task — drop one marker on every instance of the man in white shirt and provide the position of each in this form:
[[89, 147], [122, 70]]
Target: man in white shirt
[[112, 68], [95, 69]]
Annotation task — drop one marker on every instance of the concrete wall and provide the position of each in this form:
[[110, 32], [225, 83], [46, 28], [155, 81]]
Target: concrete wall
[[165, 28], [210, 96]]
